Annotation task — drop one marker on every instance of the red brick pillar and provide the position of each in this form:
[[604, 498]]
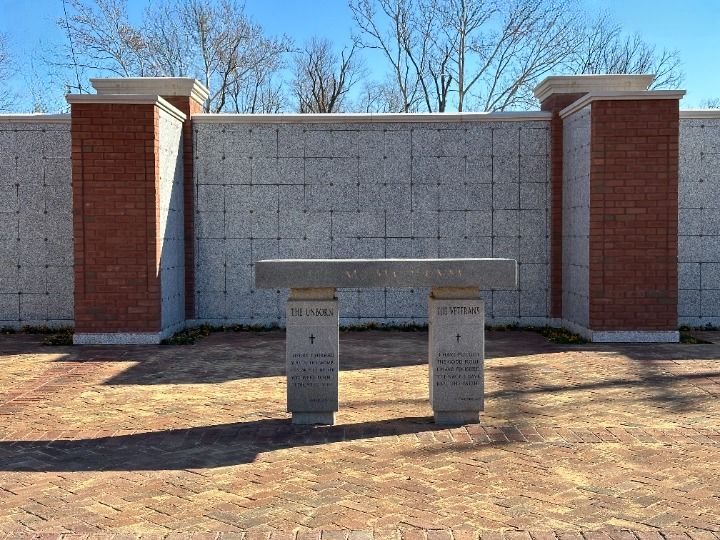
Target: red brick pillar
[[555, 93], [188, 96], [632, 183], [121, 294], [634, 218]]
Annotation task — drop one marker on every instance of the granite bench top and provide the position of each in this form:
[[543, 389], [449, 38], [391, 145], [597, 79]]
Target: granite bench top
[[369, 273]]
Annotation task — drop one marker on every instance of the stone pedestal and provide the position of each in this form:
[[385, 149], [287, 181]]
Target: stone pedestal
[[457, 326], [312, 355], [456, 354]]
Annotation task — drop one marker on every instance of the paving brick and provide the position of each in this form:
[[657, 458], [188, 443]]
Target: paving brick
[[576, 443]]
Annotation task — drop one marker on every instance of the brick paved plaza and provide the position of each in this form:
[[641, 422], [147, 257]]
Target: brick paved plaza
[[604, 441]]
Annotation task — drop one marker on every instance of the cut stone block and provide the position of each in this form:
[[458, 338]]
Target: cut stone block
[[315, 273], [456, 355], [312, 356]]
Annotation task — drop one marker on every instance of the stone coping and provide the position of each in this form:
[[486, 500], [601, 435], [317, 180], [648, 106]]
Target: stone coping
[[371, 118], [127, 99], [34, 118], [575, 84], [699, 114], [161, 86], [371, 273], [620, 96]]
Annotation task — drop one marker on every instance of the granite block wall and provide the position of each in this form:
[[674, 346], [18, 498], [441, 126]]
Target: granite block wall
[[576, 219], [699, 219], [36, 244], [171, 222], [364, 190]]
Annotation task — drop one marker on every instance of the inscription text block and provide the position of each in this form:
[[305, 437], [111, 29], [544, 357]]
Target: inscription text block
[[312, 355], [457, 353]]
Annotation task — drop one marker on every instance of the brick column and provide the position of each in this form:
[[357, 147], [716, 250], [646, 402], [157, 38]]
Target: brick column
[[188, 96], [129, 275], [555, 93], [631, 185], [634, 218]]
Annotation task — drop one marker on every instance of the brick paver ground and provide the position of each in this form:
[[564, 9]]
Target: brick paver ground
[[578, 442]]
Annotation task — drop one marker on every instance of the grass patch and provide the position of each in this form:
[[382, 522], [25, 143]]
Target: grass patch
[[37, 330], [553, 335], [687, 337], [64, 336], [504, 327], [707, 328], [190, 336], [365, 327], [558, 335], [691, 340], [56, 336]]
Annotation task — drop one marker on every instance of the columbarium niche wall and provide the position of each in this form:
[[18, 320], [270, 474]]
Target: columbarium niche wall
[[699, 219], [36, 245], [369, 187]]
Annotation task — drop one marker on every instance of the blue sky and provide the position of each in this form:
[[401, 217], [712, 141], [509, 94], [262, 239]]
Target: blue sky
[[691, 26]]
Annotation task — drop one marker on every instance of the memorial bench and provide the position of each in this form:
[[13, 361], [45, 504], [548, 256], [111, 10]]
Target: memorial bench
[[456, 318]]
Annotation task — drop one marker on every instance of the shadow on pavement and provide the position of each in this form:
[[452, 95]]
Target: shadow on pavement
[[662, 390], [235, 356], [193, 448]]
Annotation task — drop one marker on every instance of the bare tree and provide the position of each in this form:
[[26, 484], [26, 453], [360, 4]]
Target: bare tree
[[211, 40], [710, 103], [217, 43], [322, 79], [446, 52], [228, 45], [261, 91], [391, 26], [606, 49], [378, 97], [8, 100], [525, 41], [42, 97], [101, 38], [489, 54]]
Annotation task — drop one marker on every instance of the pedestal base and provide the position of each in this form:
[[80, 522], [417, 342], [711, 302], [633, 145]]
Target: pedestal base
[[456, 354], [309, 418], [457, 417]]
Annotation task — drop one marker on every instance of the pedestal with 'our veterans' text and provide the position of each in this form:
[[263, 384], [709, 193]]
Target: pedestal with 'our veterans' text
[[456, 357]]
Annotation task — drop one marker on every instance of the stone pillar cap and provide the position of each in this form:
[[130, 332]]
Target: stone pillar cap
[[161, 86], [583, 84]]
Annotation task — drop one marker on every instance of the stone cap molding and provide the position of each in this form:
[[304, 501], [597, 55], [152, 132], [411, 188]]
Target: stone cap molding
[[588, 99], [379, 273], [127, 99], [699, 114], [575, 84], [371, 118], [161, 86], [34, 118]]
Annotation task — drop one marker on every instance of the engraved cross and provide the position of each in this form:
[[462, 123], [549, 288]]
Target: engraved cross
[[312, 339], [458, 338]]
